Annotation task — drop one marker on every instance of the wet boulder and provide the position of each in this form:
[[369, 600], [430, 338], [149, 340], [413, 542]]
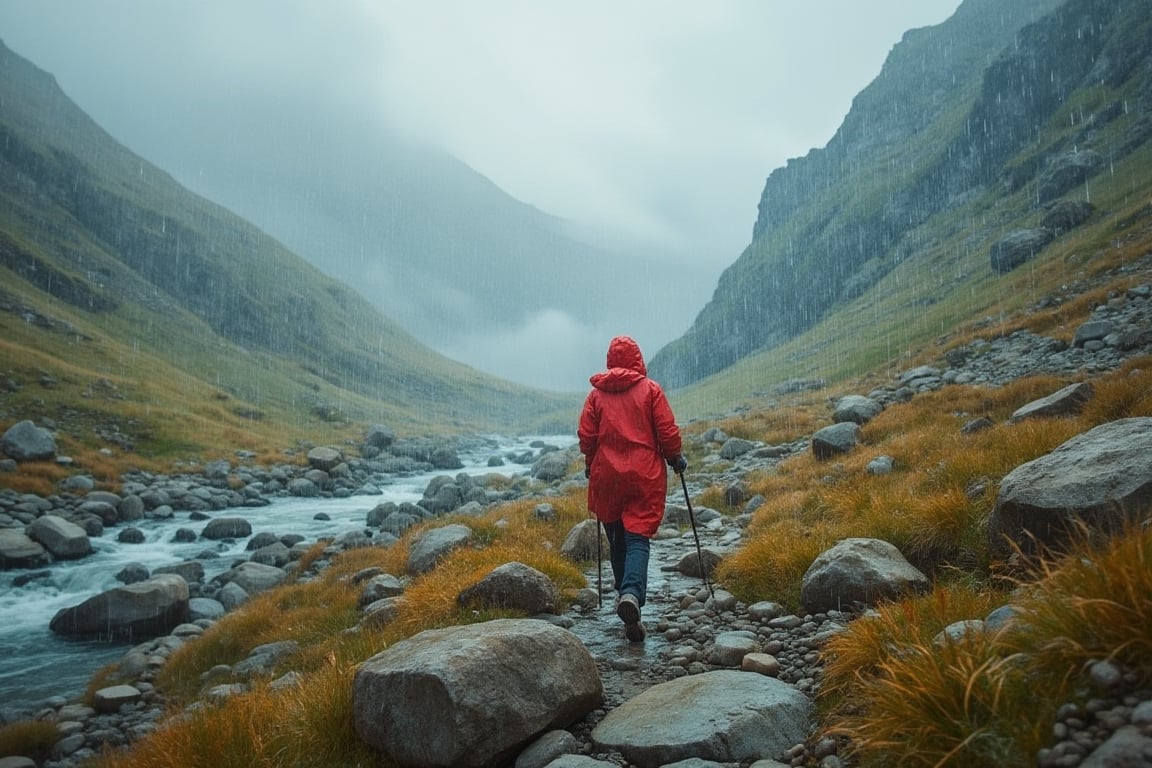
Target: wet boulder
[[134, 612], [325, 458], [1067, 171], [227, 528], [835, 439], [1016, 248], [19, 551], [1065, 402], [859, 572], [24, 441], [431, 545], [580, 543], [734, 717], [515, 586], [551, 466], [1101, 478], [857, 409], [65, 540], [473, 695]]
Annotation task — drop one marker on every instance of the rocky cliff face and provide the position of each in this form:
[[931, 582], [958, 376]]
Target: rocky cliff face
[[952, 114]]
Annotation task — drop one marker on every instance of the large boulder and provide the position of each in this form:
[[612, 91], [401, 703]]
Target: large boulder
[[227, 528], [135, 612], [24, 441], [859, 572], [473, 695], [325, 458], [65, 540], [1101, 478], [431, 545], [581, 542], [724, 716], [19, 551], [1064, 402], [835, 439], [857, 409], [256, 577], [551, 466], [1016, 248], [515, 586]]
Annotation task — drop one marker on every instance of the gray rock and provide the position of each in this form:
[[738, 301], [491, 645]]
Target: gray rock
[[1102, 478], [24, 441], [227, 528], [254, 578], [379, 587], [1127, 747], [730, 648], [431, 545], [515, 586], [63, 539], [857, 409], [735, 716], [146, 609], [735, 447], [551, 466], [133, 573], [547, 748], [835, 439], [1016, 248], [1064, 402], [110, 699], [580, 543], [19, 551], [473, 695], [192, 571], [204, 608], [325, 458], [859, 571]]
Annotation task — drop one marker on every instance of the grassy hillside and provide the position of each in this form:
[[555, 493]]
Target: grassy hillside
[[935, 154], [944, 291], [130, 305]]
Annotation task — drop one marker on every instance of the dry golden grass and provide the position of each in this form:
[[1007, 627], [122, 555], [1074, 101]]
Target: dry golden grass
[[1094, 604], [904, 699], [311, 723], [28, 738], [934, 505]]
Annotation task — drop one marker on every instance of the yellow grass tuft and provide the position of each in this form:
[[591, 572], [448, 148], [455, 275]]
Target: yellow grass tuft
[[28, 738]]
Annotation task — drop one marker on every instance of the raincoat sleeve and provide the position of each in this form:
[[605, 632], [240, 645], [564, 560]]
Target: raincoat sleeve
[[588, 431], [667, 433]]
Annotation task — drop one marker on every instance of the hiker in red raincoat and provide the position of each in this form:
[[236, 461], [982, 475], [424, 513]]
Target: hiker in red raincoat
[[627, 434]]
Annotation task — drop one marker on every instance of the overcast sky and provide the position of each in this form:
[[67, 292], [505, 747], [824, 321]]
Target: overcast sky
[[654, 119]]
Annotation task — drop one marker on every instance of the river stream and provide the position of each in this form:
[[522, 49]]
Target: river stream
[[36, 664]]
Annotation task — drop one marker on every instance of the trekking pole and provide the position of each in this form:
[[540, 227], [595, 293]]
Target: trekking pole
[[599, 569], [695, 535]]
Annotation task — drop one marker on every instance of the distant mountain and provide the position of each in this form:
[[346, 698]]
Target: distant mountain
[[428, 240], [981, 104], [95, 239]]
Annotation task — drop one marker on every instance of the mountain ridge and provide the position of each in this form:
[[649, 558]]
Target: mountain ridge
[[832, 224], [98, 237]]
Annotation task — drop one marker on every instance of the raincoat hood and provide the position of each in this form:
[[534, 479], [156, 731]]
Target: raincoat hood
[[624, 352], [625, 366]]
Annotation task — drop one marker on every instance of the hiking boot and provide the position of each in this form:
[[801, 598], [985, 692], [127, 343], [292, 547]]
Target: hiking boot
[[628, 609]]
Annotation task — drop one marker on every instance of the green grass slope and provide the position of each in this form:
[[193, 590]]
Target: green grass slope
[[937, 282], [114, 272]]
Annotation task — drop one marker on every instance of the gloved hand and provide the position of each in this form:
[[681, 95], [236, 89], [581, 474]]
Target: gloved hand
[[679, 464]]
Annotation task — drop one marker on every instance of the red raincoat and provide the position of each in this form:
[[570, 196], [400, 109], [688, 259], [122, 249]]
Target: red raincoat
[[627, 435]]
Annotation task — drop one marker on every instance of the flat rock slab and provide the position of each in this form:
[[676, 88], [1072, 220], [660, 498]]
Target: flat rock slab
[[734, 716]]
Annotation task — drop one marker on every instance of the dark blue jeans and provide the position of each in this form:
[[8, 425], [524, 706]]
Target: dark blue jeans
[[628, 553]]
